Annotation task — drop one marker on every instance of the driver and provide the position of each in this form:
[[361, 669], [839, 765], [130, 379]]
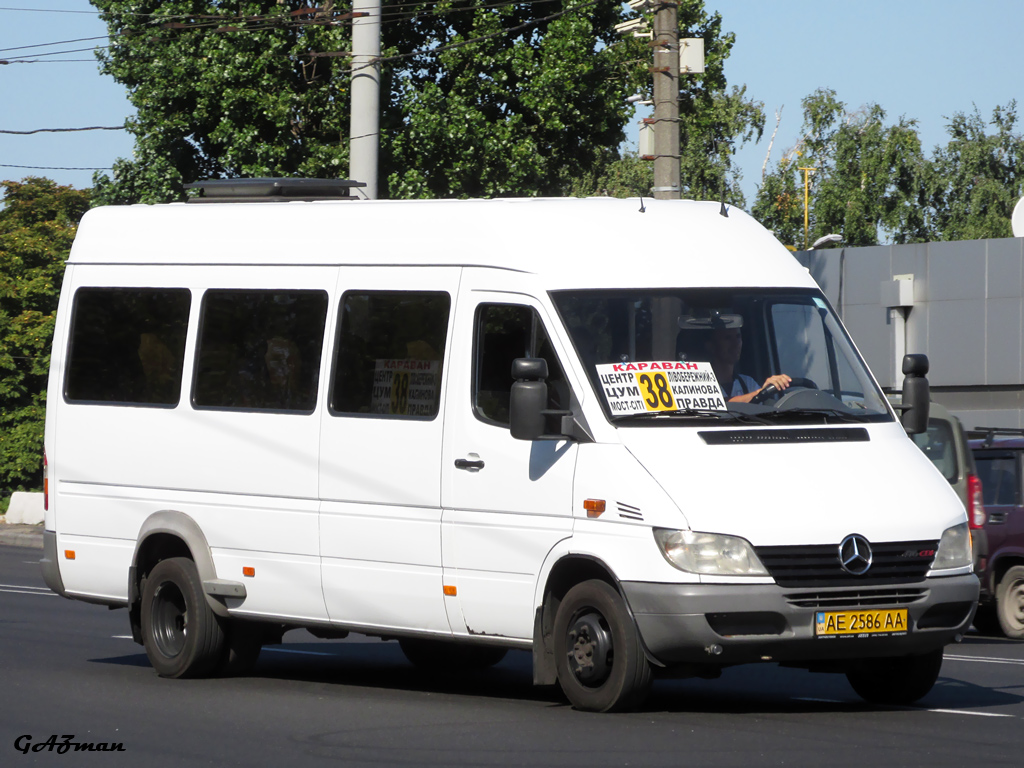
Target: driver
[[724, 347]]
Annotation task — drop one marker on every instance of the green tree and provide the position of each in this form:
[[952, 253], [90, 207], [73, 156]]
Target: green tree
[[870, 181], [978, 176], [521, 113], [256, 89], [37, 225], [225, 89], [478, 99]]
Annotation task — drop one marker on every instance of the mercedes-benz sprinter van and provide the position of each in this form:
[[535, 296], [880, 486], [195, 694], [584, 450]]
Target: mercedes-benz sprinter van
[[629, 436]]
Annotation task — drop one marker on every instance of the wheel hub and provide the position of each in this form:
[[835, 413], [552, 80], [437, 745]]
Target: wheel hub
[[170, 619], [1015, 602], [590, 649]]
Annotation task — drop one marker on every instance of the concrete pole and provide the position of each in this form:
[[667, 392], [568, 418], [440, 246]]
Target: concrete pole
[[364, 124], [666, 102]]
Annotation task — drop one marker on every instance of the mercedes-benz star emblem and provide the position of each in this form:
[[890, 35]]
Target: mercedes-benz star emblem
[[855, 554]]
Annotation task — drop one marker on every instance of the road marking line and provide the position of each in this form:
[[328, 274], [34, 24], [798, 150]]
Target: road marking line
[[25, 586], [122, 637], [989, 659], [29, 591], [969, 712], [824, 701], [305, 653]]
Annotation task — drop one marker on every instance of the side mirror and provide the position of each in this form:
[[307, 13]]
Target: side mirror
[[529, 398], [916, 394]]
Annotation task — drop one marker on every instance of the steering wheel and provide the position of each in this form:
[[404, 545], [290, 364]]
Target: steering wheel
[[772, 391], [801, 382]]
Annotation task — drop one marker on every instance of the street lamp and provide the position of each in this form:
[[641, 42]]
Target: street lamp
[[833, 238]]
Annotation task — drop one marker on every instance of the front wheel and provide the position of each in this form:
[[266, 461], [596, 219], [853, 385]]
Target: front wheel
[[1010, 602], [896, 680], [600, 662], [182, 636]]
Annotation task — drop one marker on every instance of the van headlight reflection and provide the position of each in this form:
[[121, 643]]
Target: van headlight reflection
[[710, 554], [954, 548]]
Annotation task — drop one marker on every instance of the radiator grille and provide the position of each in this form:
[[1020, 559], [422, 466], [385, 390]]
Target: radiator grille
[[860, 598], [901, 562]]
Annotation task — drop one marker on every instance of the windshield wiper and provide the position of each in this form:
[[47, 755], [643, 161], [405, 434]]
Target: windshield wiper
[[824, 413], [745, 418]]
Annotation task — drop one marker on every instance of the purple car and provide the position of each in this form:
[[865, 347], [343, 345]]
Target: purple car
[[999, 456]]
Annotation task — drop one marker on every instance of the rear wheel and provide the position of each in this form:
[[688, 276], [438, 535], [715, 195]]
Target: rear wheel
[[437, 655], [1010, 602], [182, 636], [896, 680], [600, 662]]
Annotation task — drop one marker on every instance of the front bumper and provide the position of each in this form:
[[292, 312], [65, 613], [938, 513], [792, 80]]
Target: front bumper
[[726, 624]]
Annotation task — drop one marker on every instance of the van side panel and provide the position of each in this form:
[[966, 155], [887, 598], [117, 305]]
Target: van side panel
[[248, 479]]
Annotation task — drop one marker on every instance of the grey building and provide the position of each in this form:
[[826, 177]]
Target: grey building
[[961, 303]]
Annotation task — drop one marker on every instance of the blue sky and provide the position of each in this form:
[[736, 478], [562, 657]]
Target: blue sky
[[923, 59]]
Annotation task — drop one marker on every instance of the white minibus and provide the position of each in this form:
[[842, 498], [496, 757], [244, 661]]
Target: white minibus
[[631, 437]]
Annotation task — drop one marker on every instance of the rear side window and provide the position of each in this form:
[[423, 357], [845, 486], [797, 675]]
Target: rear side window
[[390, 353], [127, 346], [1000, 482], [260, 350]]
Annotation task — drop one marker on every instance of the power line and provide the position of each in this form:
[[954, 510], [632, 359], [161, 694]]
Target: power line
[[48, 10], [50, 167], [58, 42], [390, 14], [48, 61], [67, 130]]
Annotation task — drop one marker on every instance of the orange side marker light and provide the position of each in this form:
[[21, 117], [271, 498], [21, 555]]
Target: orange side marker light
[[248, 570], [450, 591], [69, 554], [594, 507]]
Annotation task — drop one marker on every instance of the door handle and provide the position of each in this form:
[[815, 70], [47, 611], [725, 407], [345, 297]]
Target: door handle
[[469, 464]]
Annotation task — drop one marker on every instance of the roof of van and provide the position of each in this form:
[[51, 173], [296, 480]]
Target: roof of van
[[572, 242]]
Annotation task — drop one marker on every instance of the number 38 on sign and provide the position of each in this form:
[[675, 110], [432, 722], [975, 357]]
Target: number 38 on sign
[[660, 386]]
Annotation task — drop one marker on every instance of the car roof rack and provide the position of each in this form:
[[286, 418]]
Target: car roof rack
[[272, 190], [988, 434]]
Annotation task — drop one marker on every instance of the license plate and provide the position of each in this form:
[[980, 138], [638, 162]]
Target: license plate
[[859, 623]]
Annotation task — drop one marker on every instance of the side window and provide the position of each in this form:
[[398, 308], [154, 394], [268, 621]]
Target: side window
[[939, 446], [503, 333], [127, 346], [999, 481], [260, 350], [390, 353]]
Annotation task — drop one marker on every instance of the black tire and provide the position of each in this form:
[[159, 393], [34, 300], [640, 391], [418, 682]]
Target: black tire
[[242, 646], [987, 622], [182, 636], [1010, 602], [895, 680], [441, 656], [598, 655]]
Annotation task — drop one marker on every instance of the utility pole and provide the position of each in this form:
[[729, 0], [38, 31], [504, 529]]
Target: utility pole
[[807, 199], [666, 101], [364, 123]]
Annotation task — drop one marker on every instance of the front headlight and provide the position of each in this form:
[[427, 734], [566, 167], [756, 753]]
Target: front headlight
[[710, 554], [954, 548]]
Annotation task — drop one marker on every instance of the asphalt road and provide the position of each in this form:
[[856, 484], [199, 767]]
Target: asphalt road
[[68, 669]]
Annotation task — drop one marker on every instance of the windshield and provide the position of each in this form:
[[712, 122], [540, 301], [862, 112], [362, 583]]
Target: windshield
[[702, 353]]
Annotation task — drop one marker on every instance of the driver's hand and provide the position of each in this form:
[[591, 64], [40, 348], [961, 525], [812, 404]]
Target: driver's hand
[[780, 380]]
